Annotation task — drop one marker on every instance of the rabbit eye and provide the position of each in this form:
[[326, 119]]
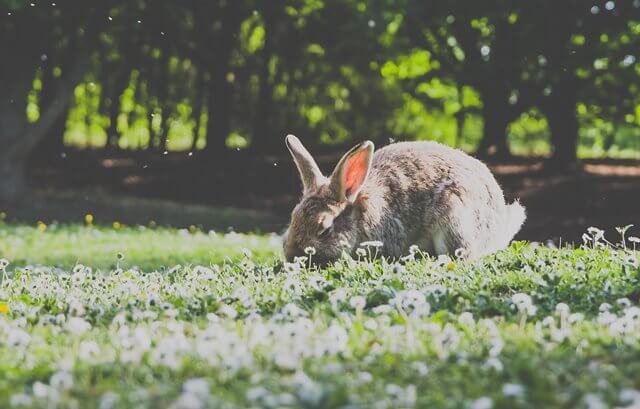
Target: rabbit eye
[[325, 232]]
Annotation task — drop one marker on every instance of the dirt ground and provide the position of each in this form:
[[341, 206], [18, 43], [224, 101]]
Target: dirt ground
[[560, 206]]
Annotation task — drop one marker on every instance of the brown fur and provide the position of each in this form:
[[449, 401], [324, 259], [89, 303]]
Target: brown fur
[[421, 193]]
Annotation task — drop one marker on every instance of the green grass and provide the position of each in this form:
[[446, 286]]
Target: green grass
[[144, 247], [529, 327]]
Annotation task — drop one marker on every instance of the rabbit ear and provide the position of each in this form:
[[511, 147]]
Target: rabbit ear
[[307, 167], [351, 172]]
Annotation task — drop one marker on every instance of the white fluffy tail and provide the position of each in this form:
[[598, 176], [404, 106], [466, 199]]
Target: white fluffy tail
[[509, 224], [512, 221]]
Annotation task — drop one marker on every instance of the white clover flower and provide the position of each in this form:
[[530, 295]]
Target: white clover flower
[[301, 260], [548, 321], [596, 233], [593, 401], [310, 251], [338, 296], [61, 381], [187, 401], [3, 263], [494, 363], [77, 326], [421, 368], [466, 318], [40, 390], [630, 396], [292, 268], [108, 400], [89, 351], [364, 377], [227, 311], [414, 249], [17, 338], [482, 403], [286, 360], [562, 309], [360, 252], [256, 393], [604, 307], [513, 389], [358, 302], [412, 302], [634, 239], [317, 282], [20, 399], [576, 317], [197, 386], [524, 303], [443, 260], [624, 302], [292, 310]]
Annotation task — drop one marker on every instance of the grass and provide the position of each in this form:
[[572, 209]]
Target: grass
[[144, 247], [529, 327]]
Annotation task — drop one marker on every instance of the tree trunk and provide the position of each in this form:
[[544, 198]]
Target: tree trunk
[[262, 132], [52, 146], [495, 112], [197, 107], [13, 124], [563, 124], [220, 98], [12, 175], [122, 79]]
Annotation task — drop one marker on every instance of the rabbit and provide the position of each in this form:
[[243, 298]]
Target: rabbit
[[407, 193]]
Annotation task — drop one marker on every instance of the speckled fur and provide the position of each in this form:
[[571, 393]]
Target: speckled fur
[[421, 193]]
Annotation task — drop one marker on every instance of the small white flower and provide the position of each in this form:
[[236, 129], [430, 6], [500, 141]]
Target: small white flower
[[358, 302], [310, 251], [466, 318], [197, 386], [77, 326], [20, 399], [513, 389], [596, 233], [61, 381], [482, 403], [593, 401], [89, 351], [108, 400], [227, 311], [562, 309]]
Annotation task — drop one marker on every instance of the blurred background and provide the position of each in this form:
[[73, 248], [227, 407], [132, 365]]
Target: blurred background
[[174, 112]]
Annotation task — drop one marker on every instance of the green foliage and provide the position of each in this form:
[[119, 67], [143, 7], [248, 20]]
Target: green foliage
[[340, 71]]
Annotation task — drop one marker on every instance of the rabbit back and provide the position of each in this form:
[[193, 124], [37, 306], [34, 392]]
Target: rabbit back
[[438, 198]]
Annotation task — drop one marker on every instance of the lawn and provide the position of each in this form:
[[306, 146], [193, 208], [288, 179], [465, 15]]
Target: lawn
[[154, 317]]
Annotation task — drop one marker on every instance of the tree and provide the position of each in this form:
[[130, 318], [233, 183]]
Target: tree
[[20, 62]]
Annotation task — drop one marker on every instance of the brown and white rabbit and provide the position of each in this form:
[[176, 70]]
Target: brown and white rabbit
[[407, 193]]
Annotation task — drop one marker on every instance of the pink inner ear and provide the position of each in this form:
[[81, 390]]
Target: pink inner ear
[[355, 171]]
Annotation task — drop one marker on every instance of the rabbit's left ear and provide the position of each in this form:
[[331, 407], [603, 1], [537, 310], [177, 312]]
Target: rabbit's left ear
[[351, 172]]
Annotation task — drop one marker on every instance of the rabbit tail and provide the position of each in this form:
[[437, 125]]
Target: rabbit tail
[[512, 220]]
